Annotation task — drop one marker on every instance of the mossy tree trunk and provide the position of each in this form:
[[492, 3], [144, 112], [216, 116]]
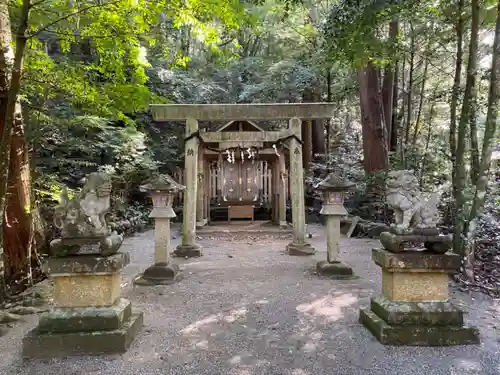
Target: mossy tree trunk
[[469, 99], [15, 192], [484, 164]]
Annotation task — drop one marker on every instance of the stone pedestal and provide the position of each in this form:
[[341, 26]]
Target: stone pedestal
[[89, 317], [299, 246], [334, 270], [414, 307], [163, 272]]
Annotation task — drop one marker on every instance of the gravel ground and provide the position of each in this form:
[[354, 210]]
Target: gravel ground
[[246, 308]]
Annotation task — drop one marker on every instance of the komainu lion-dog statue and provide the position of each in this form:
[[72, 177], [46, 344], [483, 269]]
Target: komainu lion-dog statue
[[81, 219], [416, 218]]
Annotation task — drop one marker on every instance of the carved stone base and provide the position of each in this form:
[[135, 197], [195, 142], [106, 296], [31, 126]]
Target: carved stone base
[[39, 344], [89, 317], [201, 224], [85, 319], [433, 241], [414, 308], [336, 270], [86, 280], [188, 251], [160, 274], [89, 330], [107, 245], [300, 249], [417, 324]]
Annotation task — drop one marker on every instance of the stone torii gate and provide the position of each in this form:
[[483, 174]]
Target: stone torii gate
[[291, 138]]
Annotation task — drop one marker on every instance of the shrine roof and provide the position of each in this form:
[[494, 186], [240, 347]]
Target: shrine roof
[[250, 124]]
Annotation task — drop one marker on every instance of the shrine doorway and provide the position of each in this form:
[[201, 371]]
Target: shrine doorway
[[242, 181]]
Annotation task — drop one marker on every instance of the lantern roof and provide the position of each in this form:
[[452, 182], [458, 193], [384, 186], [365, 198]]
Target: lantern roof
[[163, 182], [333, 182]]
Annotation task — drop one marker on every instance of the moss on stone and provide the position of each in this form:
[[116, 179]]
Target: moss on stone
[[37, 344], [417, 313], [412, 335]]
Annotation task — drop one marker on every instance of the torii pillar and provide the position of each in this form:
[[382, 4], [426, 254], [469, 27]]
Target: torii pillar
[[189, 248], [298, 246]]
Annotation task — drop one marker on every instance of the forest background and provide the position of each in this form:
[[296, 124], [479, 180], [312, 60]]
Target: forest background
[[415, 86]]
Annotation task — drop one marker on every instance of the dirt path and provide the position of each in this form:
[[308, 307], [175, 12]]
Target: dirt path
[[246, 308]]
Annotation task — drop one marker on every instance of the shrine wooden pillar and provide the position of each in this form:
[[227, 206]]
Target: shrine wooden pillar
[[206, 200], [201, 181], [298, 246], [189, 247], [276, 191], [283, 181]]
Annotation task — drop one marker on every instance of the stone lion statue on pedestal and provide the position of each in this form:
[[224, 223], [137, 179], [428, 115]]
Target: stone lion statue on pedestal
[[81, 219], [416, 218], [411, 209]]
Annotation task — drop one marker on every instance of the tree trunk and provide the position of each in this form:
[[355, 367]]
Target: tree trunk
[[6, 65], [388, 86], [459, 30], [487, 149], [329, 100], [472, 71], [401, 117], [318, 137], [409, 97], [393, 144], [18, 238], [318, 131], [17, 226], [373, 130], [460, 167], [387, 94], [430, 118], [421, 102]]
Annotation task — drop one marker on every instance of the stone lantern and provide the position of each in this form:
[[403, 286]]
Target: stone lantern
[[162, 190], [333, 188]]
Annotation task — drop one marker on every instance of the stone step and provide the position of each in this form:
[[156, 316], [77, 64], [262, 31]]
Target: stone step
[[417, 313], [37, 344], [415, 335], [86, 319]]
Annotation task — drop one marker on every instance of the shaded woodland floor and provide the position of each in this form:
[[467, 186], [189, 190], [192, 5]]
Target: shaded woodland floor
[[247, 308]]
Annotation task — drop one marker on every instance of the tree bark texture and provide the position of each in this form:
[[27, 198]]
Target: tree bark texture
[[461, 222], [416, 130], [388, 86], [17, 223], [487, 149], [472, 72], [318, 131], [459, 31], [430, 119], [329, 100], [395, 123], [373, 129], [6, 65], [409, 89]]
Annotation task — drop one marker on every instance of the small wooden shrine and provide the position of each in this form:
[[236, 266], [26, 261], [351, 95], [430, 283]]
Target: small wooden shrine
[[238, 178]]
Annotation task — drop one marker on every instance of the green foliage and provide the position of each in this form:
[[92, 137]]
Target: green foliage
[[85, 83]]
